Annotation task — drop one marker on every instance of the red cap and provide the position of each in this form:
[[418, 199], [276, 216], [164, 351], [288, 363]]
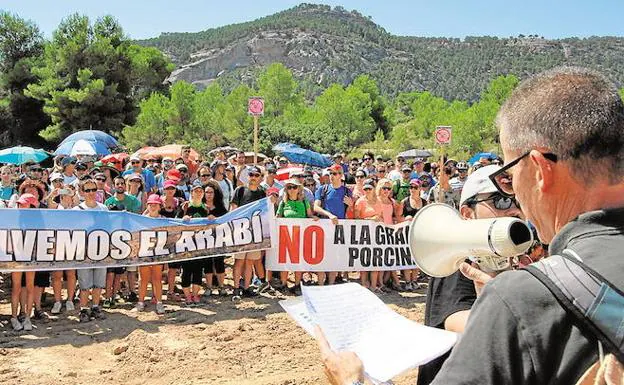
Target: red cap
[[154, 198], [174, 175], [170, 183], [28, 199], [272, 191], [336, 167]]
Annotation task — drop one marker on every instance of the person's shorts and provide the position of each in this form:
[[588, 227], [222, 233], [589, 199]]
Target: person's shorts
[[251, 255], [175, 265], [92, 278], [42, 278], [132, 269], [116, 270]]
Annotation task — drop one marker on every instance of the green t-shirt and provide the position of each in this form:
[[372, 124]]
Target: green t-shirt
[[129, 203], [401, 189], [293, 209]]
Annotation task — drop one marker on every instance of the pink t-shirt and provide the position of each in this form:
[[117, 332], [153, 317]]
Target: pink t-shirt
[[365, 209], [387, 210]]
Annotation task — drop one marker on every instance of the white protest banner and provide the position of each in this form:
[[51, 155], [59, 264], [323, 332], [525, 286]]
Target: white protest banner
[[352, 245], [33, 239]]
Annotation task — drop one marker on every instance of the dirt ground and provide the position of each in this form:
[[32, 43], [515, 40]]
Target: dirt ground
[[219, 342]]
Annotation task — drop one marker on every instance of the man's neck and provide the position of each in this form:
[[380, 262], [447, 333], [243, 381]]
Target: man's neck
[[253, 187], [120, 196], [336, 184], [7, 184], [599, 196]]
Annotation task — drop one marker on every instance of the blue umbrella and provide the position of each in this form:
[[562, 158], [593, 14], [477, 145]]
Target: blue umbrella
[[296, 154], [21, 154], [94, 136], [476, 157], [82, 147]]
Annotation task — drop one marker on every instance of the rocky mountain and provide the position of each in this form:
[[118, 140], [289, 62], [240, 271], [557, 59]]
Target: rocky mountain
[[323, 45]]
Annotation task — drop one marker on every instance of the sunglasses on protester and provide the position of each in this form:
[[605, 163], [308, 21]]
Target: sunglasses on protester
[[135, 162], [204, 176], [503, 179], [90, 190], [414, 187], [335, 173], [386, 188], [101, 179], [254, 174], [292, 187], [499, 201]]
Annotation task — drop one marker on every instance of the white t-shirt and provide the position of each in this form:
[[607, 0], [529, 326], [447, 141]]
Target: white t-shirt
[[227, 189], [69, 179], [394, 175], [98, 207]]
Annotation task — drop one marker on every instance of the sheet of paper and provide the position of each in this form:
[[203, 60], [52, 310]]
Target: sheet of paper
[[297, 310], [354, 319]]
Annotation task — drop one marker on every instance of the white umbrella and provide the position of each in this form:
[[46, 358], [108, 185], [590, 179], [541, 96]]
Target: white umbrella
[[82, 147]]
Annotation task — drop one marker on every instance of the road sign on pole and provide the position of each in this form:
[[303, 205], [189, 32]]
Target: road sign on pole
[[255, 106], [443, 135]]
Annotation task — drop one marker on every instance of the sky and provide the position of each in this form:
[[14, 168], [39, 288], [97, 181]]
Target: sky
[[449, 18]]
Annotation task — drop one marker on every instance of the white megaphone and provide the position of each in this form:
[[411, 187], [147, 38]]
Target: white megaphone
[[440, 240]]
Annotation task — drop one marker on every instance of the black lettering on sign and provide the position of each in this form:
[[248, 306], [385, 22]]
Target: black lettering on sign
[[339, 235], [365, 237], [380, 235], [377, 257], [365, 256], [389, 256], [389, 236], [353, 255]]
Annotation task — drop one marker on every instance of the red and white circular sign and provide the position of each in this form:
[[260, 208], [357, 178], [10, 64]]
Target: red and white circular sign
[[255, 106], [443, 135]]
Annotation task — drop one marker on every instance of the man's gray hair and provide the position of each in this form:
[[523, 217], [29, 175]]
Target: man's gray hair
[[573, 112]]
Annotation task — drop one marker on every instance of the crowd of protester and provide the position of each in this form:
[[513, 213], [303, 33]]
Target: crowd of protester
[[374, 188]]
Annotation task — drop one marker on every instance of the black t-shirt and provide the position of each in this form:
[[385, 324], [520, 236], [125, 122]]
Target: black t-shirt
[[243, 195], [518, 333], [193, 211], [349, 179], [216, 211], [445, 296], [410, 211]]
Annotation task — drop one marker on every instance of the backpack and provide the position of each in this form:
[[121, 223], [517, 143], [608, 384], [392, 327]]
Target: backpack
[[593, 301], [325, 191]]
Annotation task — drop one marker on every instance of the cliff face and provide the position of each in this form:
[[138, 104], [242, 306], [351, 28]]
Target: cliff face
[[323, 45]]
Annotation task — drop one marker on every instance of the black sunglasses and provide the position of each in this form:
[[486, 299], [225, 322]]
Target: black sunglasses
[[205, 176], [292, 187], [503, 179], [253, 175], [500, 201], [386, 188], [90, 190]]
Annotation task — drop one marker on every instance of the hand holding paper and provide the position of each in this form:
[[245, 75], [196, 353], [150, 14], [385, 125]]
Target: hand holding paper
[[354, 320]]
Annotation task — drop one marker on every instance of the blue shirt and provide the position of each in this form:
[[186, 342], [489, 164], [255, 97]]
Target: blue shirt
[[148, 178], [7, 192], [333, 201]]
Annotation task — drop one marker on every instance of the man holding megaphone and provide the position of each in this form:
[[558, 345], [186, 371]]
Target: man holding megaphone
[[562, 136]]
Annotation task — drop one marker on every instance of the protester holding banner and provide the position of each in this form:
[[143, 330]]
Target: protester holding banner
[[7, 187], [366, 208], [294, 205], [390, 214], [358, 188], [244, 263], [91, 280], [135, 187], [151, 273], [66, 202], [409, 207], [213, 200], [192, 269], [332, 201], [218, 174], [25, 201]]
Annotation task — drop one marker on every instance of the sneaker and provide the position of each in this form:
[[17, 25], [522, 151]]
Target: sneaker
[[56, 308], [222, 292], [264, 286], [251, 292], [84, 315], [133, 297], [140, 306], [238, 293], [196, 299], [160, 308], [107, 303], [295, 290], [27, 325], [188, 300], [21, 317], [17, 325], [207, 293], [69, 306], [416, 285], [256, 282], [39, 314], [96, 313]]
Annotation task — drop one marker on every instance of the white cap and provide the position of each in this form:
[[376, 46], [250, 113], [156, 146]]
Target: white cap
[[55, 176], [134, 157], [479, 183]]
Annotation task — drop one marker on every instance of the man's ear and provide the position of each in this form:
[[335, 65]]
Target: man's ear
[[467, 212], [544, 172]]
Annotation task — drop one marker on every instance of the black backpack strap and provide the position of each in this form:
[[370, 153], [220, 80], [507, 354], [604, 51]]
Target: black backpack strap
[[596, 304]]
